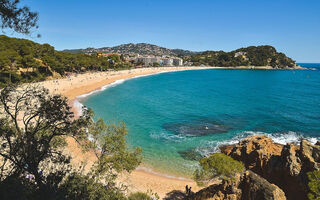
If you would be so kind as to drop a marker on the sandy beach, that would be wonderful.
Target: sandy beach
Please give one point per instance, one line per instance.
(140, 179)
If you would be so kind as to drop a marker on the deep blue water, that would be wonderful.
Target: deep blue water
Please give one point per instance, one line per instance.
(180, 115)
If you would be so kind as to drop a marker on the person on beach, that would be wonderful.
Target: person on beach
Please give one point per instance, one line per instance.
(188, 190)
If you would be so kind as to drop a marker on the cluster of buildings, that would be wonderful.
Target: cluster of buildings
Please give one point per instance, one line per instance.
(148, 60)
(165, 61)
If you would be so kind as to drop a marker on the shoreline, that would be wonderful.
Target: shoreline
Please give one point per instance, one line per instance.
(82, 84)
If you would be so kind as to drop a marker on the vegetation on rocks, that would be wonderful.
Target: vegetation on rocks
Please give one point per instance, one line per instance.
(314, 185)
(217, 165)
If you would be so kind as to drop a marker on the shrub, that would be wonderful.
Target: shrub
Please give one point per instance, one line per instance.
(217, 165)
(139, 196)
(314, 185)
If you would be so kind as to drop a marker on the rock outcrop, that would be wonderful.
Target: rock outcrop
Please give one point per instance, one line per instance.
(248, 186)
(255, 187)
(283, 165)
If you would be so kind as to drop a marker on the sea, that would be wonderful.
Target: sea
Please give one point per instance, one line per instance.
(179, 117)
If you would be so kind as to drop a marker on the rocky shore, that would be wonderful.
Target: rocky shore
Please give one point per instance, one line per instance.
(273, 171)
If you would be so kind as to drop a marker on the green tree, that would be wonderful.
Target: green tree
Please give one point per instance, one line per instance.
(44, 60)
(33, 128)
(314, 185)
(217, 165)
(114, 57)
(78, 186)
(20, 19)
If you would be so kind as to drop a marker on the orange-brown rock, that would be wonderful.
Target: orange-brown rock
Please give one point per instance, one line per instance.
(254, 152)
(247, 186)
(283, 165)
(255, 187)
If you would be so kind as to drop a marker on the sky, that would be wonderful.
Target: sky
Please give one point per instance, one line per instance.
(292, 26)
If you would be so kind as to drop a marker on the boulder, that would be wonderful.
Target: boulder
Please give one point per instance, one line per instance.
(255, 187)
(254, 152)
(310, 155)
(247, 186)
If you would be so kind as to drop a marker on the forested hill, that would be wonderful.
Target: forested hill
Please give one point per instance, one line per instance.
(249, 56)
(140, 48)
(22, 60)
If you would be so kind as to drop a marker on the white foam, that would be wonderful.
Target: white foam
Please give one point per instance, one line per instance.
(280, 138)
(165, 136)
(284, 138)
(78, 106)
(117, 82)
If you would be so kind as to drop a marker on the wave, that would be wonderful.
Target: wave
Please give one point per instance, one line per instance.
(168, 137)
(78, 106)
(280, 138)
(283, 138)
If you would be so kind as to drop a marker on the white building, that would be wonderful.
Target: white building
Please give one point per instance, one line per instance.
(177, 61)
(162, 61)
(167, 61)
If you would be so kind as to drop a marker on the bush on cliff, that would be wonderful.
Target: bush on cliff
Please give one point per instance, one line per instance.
(217, 165)
(314, 185)
(139, 196)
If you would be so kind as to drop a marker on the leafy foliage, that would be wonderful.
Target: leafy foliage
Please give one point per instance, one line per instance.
(250, 56)
(33, 129)
(139, 196)
(78, 186)
(20, 19)
(217, 165)
(314, 185)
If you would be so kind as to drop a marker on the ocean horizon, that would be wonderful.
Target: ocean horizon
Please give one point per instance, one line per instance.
(179, 117)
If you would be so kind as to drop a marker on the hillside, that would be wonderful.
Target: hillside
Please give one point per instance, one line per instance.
(140, 48)
(249, 56)
(22, 60)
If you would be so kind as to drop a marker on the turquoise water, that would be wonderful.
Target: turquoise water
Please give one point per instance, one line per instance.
(177, 117)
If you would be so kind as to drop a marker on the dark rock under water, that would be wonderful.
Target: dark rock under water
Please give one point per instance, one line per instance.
(190, 154)
(197, 128)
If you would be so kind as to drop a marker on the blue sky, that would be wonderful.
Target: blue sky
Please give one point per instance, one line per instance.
(292, 26)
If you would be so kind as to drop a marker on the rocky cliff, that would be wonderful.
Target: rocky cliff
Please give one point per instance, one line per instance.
(283, 165)
(246, 186)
